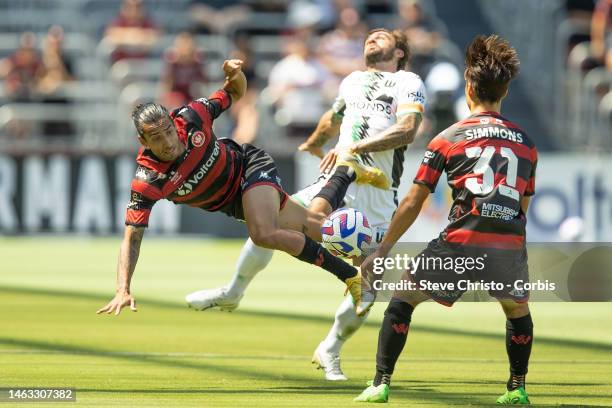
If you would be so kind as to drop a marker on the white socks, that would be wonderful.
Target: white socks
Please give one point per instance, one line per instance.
(252, 259)
(345, 324)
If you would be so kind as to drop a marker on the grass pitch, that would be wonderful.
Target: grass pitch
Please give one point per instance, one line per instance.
(167, 355)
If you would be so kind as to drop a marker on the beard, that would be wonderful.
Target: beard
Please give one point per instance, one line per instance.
(377, 56)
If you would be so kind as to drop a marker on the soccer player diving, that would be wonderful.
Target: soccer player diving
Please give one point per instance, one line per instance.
(377, 114)
(490, 164)
(182, 160)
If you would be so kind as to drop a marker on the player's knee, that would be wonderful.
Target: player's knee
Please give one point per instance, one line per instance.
(515, 310)
(264, 237)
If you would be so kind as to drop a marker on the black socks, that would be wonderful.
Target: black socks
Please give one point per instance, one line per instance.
(335, 189)
(519, 337)
(315, 254)
(391, 339)
(394, 332)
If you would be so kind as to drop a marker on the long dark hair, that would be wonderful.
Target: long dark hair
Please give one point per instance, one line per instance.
(148, 114)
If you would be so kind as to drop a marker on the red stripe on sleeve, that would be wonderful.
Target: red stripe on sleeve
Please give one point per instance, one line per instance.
(223, 97)
(137, 218)
(202, 113)
(439, 144)
(428, 175)
(147, 190)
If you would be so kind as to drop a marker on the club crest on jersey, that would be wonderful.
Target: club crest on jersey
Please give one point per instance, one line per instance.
(197, 139)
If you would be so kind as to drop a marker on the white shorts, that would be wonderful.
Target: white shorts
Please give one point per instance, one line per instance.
(377, 205)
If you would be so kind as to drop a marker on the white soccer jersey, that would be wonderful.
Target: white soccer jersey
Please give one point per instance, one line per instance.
(370, 103)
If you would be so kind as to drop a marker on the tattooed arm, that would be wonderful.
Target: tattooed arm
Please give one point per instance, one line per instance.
(328, 127)
(400, 134)
(128, 256)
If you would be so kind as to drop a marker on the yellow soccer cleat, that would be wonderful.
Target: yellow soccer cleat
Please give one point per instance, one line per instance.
(353, 286)
(365, 174)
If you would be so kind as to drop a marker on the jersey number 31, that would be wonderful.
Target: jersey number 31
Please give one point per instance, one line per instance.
(483, 167)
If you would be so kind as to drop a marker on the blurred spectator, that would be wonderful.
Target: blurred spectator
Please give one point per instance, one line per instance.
(132, 33)
(56, 67)
(244, 111)
(341, 50)
(217, 16)
(21, 70)
(296, 85)
(55, 73)
(184, 72)
(601, 33)
(424, 33)
(324, 13)
(304, 15)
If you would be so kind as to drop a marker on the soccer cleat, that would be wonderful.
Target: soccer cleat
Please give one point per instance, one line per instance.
(353, 286)
(210, 298)
(330, 363)
(514, 397)
(365, 174)
(374, 394)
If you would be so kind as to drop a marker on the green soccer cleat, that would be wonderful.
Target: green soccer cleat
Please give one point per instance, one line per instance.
(374, 394)
(514, 397)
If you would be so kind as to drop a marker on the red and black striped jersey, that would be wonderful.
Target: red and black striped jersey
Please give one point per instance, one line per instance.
(490, 164)
(207, 175)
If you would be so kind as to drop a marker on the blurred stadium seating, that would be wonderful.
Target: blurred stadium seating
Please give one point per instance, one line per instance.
(563, 96)
(99, 99)
(570, 92)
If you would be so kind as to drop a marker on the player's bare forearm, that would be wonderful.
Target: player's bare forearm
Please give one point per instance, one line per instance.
(235, 81)
(404, 217)
(398, 135)
(327, 128)
(128, 257)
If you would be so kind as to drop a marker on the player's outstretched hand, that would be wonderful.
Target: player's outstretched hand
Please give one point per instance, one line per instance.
(367, 266)
(231, 68)
(328, 162)
(120, 300)
(314, 150)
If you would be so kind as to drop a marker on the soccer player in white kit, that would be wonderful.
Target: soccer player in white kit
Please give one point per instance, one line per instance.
(377, 113)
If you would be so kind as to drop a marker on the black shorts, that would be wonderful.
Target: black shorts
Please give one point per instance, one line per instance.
(258, 169)
(445, 270)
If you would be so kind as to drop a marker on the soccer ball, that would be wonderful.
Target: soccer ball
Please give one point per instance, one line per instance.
(346, 232)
